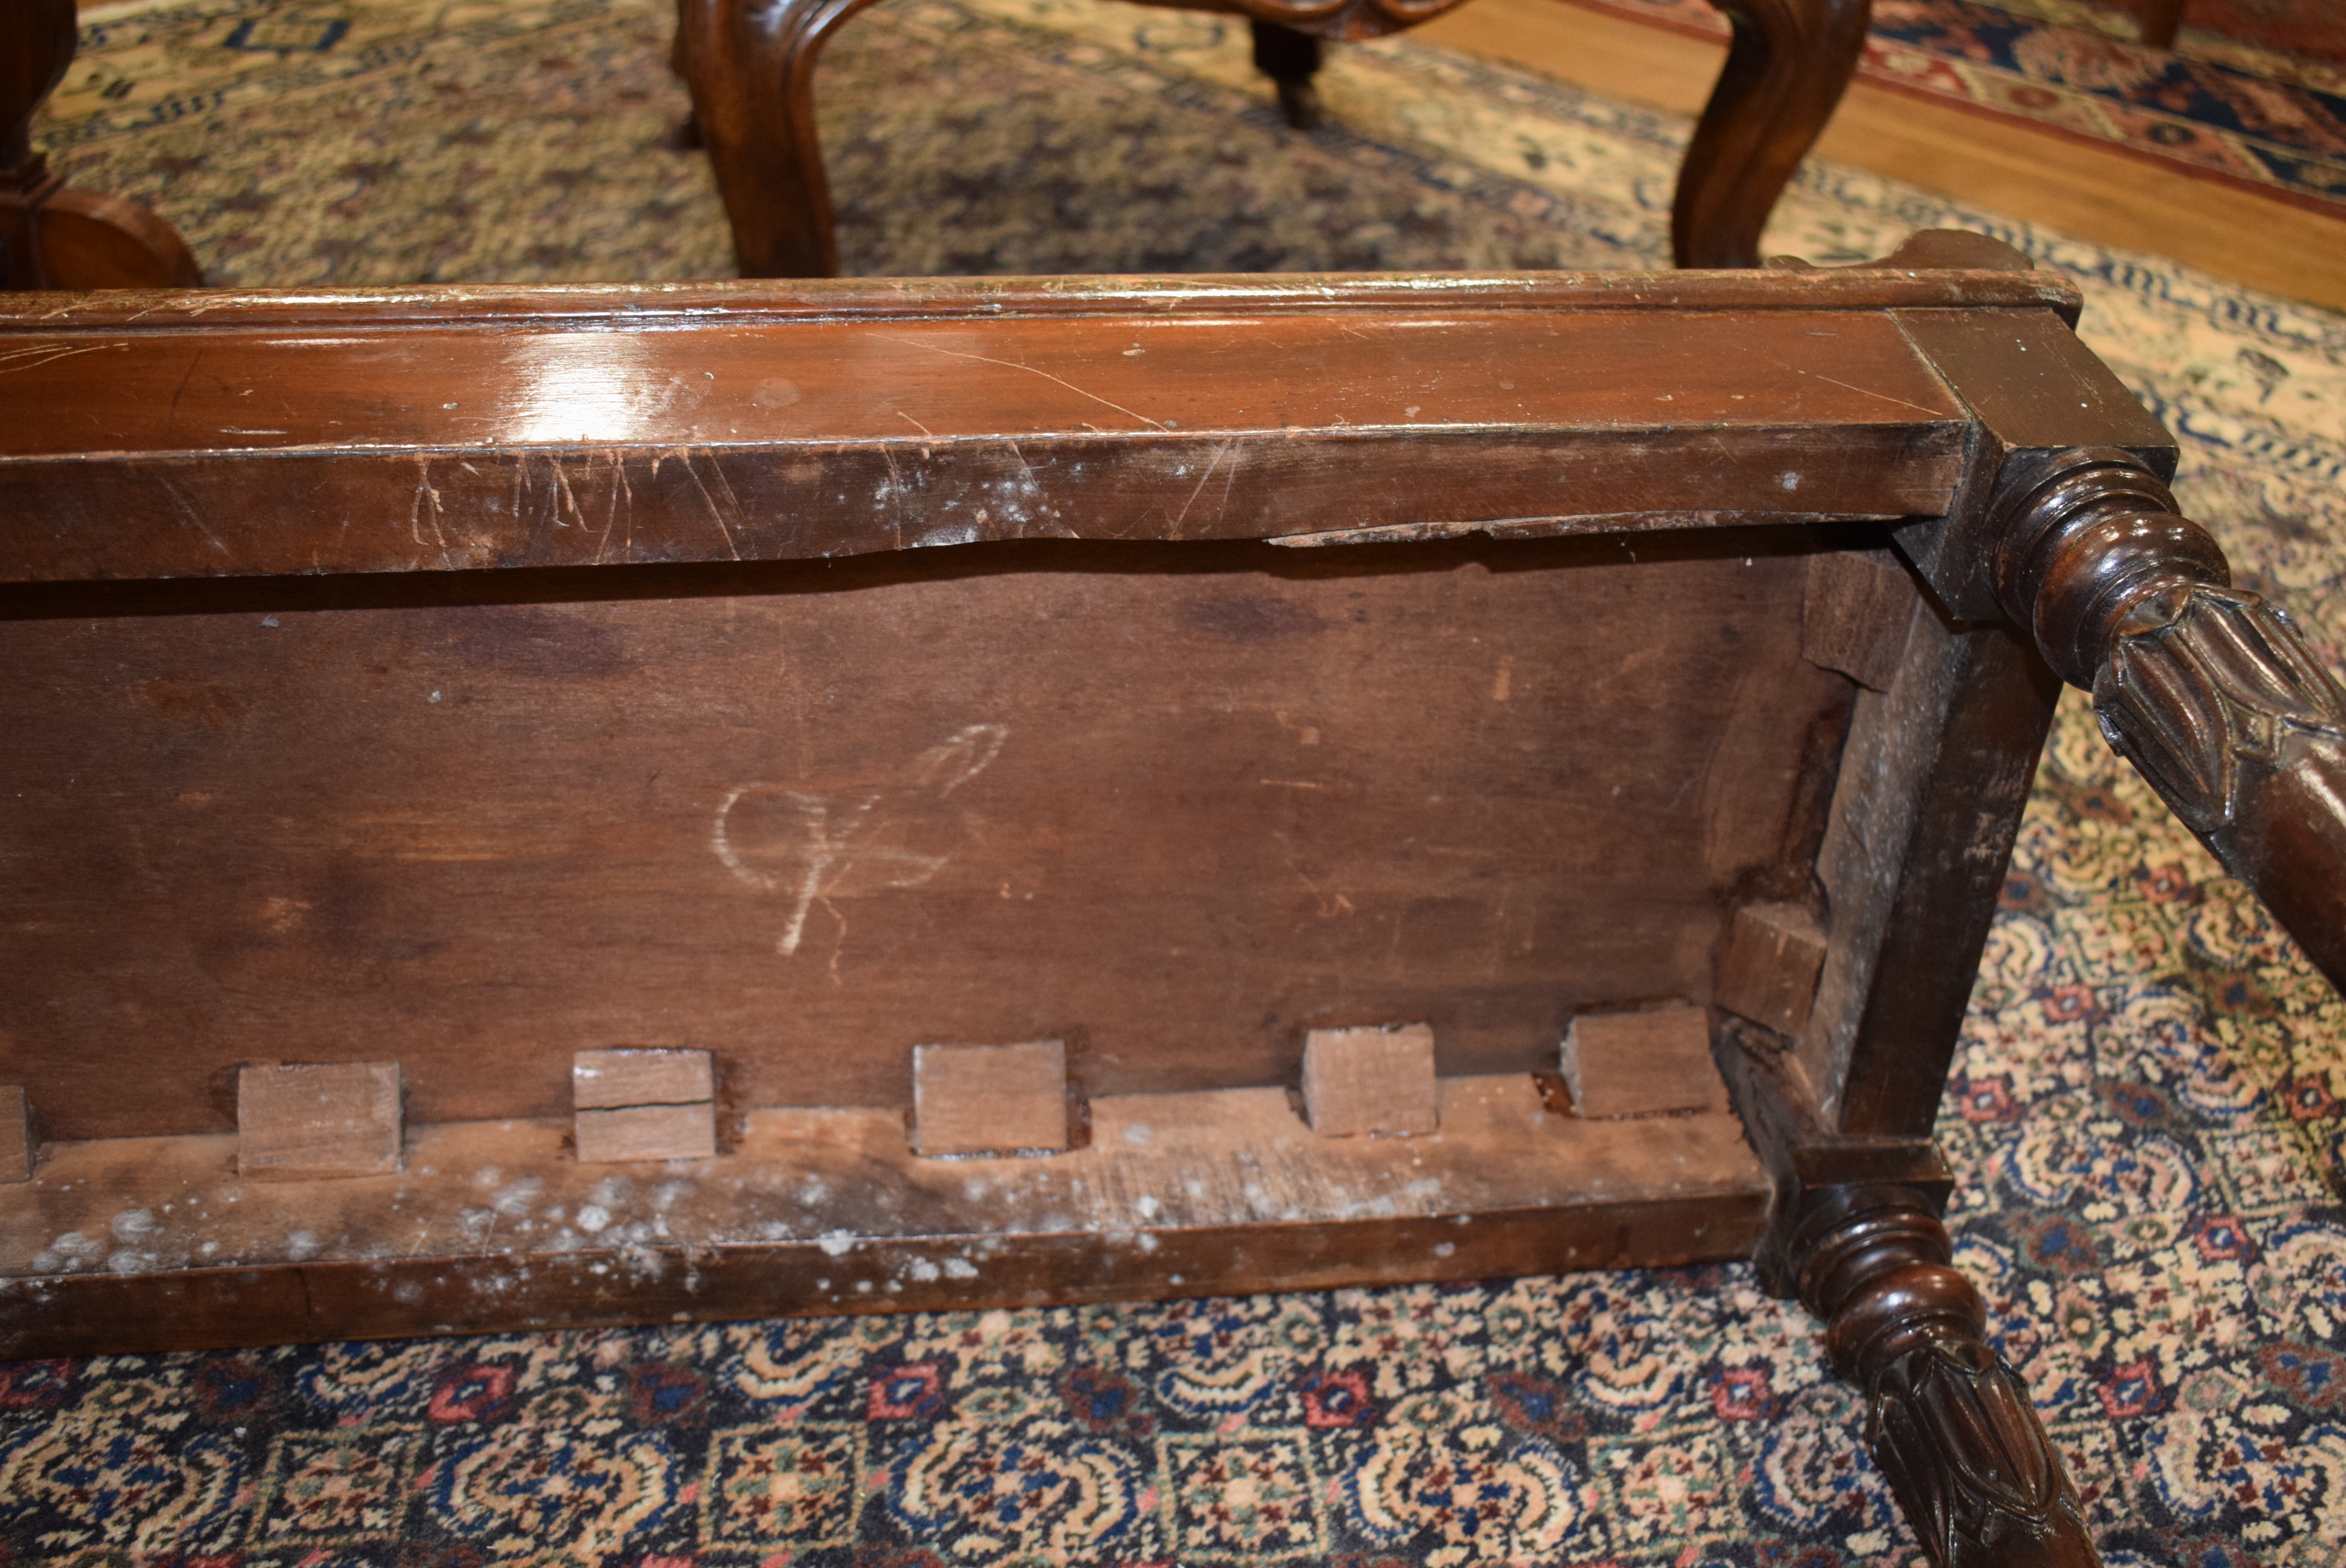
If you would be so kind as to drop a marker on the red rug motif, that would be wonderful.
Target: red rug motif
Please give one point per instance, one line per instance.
(2225, 108)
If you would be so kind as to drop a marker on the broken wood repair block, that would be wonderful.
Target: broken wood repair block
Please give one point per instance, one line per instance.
(989, 1099)
(1378, 1081)
(643, 1105)
(1856, 613)
(1774, 954)
(299, 1120)
(1639, 1064)
(15, 1135)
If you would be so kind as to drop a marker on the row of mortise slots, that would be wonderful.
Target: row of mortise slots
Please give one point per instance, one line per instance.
(298, 1121)
(303, 1121)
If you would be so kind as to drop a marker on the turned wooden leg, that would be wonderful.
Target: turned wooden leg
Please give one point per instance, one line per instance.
(2209, 690)
(1789, 63)
(1291, 59)
(1950, 1424)
(749, 65)
(51, 236)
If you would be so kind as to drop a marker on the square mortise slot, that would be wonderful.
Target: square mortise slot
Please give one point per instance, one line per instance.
(1641, 1063)
(311, 1119)
(989, 1099)
(1378, 1081)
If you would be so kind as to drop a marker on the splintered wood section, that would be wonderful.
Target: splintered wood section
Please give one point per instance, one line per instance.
(156, 1243)
(201, 443)
(1137, 799)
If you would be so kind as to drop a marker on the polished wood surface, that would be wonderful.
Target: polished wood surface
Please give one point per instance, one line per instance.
(1785, 74)
(782, 425)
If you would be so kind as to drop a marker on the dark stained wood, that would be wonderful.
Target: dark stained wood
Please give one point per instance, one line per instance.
(1775, 952)
(1855, 617)
(1785, 72)
(1949, 1421)
(302, 1120)
(2209, 691)
(1640, 1064)
(1181, 805)
(828, 1211)
(53, 236)
(347, 447)
(1370, 1081)
(1933, 781)
(989, 1099)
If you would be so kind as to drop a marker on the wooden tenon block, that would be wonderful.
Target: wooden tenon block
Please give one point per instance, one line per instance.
(989, 1099)
(1855, 616)
(1774, 954)
(1640, 1064)
(15, 1135)
(634, 1103)
(306, 1119)
(1378, 1081)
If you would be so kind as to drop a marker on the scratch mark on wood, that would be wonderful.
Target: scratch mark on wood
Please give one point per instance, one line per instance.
(1030, 370)
(684, 455)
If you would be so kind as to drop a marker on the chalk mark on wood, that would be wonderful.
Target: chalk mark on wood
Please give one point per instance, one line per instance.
(840, 844)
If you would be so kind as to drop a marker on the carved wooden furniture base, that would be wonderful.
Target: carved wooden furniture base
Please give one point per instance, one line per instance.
(750, 65)
(824, 800)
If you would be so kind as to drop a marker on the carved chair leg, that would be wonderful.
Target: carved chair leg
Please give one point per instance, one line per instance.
(1291, 59)
(51, 236)
(1786, 71)
(1948, 1421)
(749, 65)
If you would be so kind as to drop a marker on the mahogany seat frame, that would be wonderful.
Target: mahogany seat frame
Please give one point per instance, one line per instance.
(468, 456)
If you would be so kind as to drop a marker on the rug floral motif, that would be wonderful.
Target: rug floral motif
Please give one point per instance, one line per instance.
(2148, 1115)
(2273, 122)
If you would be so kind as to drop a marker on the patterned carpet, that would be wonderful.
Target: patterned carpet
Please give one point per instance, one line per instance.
(2269, 116)
(2149, 1121)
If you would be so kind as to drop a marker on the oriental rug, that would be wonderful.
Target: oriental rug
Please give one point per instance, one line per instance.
(2267, 115)
(2149, 1113)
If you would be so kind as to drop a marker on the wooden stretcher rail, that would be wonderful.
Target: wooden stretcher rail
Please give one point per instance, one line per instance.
(195, 441)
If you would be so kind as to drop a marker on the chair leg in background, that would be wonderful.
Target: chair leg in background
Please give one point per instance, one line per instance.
(53, 236)
(749, 65)
(1291, 59)
(1789, 63)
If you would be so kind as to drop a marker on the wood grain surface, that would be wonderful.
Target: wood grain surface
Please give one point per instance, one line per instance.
(1174, 806)
(155, 1243)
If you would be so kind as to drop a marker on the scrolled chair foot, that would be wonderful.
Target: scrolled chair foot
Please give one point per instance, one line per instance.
(1949, 1422)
